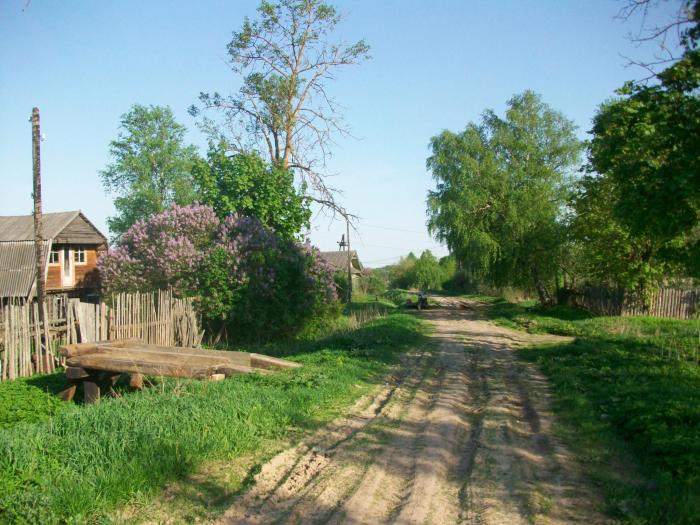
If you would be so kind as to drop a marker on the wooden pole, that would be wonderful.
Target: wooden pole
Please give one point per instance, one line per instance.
(38, 234)
(347, 225)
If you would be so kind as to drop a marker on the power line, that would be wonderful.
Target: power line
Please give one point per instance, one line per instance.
(385, 259)
(396, 229)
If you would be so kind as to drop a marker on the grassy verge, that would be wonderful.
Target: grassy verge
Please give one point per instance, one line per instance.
(81, 462)
(625, 389)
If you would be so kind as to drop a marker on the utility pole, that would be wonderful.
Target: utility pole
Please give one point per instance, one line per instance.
(38, 237)
(347, 224)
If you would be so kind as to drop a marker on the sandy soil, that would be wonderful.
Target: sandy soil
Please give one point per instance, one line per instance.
(460, 434)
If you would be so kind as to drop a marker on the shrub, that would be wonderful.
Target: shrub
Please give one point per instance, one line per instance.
(247, 280)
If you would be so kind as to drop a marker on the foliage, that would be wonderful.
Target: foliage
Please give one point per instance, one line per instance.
(427, 272)
(606, 250)
(400, 273)
(246, 278)
(645, 143)
(22, 400)
(625, 386)
(283, 110)
(400, 297)
(50, 473)
(243, 184)
(165, 250)
(278, 285)
(151, 166)
(372, 283)
(501, 190)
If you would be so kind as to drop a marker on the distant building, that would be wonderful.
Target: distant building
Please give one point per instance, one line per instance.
(71, 247)
(339, 261)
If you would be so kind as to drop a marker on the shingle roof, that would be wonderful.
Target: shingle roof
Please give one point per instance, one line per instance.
(17, 264)
(21, 227)
(339, 260)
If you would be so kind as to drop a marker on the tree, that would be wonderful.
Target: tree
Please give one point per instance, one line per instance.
(400, 275)
(283, 109)
(646, 143)
(151, 166)
(243, 184)
(502, 186)
(427, 273)
(605, 250)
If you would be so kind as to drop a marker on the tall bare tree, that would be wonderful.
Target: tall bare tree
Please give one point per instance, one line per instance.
(283, 109)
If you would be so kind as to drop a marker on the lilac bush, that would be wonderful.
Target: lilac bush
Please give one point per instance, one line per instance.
(163, 251)
(246, 279)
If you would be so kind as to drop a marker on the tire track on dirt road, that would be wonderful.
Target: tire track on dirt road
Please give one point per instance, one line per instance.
(461, 434)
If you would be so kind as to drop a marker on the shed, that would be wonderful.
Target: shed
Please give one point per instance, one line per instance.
(339, 261)
(71, 247)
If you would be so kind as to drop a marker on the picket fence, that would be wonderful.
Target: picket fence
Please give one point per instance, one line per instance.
(26, 347)
(665, 302)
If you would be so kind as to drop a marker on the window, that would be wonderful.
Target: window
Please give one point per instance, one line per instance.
(79, 255)
(54, 257)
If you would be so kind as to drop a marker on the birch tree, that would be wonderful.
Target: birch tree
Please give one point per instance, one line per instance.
(283, 109)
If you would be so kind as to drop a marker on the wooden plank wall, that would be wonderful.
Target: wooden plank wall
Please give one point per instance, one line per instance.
(157, 318)
(666, 302)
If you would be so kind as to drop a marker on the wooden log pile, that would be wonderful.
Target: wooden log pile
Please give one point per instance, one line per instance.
(99, 365)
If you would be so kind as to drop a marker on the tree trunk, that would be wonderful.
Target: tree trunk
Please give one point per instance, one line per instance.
(542, 291)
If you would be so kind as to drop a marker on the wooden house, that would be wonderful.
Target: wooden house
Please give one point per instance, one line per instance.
(339, 261)
(71, 247)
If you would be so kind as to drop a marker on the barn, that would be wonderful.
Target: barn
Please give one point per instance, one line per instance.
(71, 247)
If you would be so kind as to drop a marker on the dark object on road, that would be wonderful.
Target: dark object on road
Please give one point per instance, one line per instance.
(422, 301)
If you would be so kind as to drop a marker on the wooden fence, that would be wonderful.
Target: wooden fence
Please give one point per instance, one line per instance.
(665, 302)
(27, 348)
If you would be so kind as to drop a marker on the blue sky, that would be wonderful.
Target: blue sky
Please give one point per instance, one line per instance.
(435, 65)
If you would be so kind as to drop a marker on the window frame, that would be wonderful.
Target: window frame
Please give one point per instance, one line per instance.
(77, 252)
(57, 252)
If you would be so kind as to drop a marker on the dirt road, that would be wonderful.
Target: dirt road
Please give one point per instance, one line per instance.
(460, 434)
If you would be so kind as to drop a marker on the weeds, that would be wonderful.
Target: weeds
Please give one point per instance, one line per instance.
(83, 461)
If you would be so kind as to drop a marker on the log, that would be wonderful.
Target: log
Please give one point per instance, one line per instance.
(110, 363)
(77, 349)
(136, 381)
(76, 372)
(265, 361)
(92, 390)
(232, 370)
(68, 393)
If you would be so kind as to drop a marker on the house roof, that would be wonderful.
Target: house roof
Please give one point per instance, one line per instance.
(17, 265)
(21, 227)
(339, 260)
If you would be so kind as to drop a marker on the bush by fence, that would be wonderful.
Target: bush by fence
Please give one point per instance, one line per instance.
(27, 348)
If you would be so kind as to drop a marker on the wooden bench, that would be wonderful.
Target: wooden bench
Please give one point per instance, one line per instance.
(98, 365)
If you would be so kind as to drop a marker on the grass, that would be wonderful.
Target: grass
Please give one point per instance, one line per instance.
(627, 392)
(76, 464)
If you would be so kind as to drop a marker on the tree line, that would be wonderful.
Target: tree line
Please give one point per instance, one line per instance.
(521, 201)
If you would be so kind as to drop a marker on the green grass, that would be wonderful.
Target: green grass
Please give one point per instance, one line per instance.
(78, 463)
(627, 392)
(30, 399)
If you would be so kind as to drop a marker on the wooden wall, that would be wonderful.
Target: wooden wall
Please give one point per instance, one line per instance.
(665, 302)
(86, 275)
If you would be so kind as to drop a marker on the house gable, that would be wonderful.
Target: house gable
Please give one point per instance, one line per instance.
(80, 231)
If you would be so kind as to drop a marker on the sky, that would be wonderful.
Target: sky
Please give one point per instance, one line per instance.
(435, 65)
